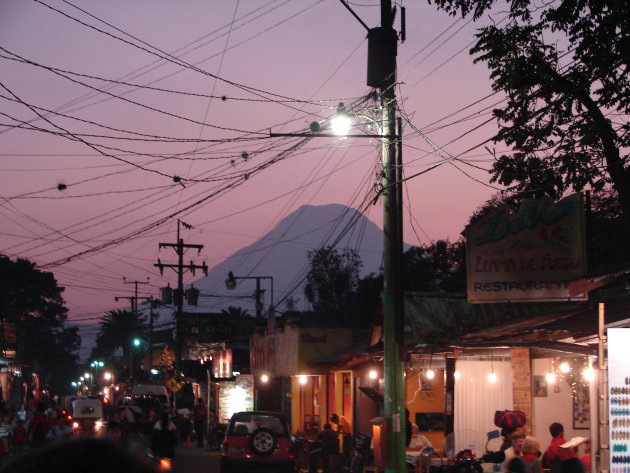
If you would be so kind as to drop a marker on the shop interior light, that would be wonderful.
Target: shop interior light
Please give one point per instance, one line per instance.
(492, 377)
(264, 378)
(430, 374)
(589, 374)
(457, 375)
(302, 379)
(373, 374)
(550, 377)
(564, 367)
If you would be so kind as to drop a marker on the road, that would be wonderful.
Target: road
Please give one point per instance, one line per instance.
(196, 460)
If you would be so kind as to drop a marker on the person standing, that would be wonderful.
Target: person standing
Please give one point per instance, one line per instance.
(38, 427)
(164, 438)
(200, 415)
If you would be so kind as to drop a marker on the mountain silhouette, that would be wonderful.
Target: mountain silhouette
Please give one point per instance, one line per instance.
(282, 254)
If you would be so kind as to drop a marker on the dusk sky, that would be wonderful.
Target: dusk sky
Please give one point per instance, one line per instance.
(103, 105)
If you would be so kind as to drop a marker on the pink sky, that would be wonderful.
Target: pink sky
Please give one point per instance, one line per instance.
(307, 50)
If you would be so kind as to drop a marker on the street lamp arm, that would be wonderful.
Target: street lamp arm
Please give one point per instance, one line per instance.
(355, 15)
(330, 135)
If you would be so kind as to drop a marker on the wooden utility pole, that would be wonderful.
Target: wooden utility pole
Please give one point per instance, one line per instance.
(382, 50)
(180, 248)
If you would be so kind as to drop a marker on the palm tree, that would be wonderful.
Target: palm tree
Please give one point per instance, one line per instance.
(117, 329)
(235, 312)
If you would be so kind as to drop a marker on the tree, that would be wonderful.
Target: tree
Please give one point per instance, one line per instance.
(564, 68)
(235, 312)
(117, 329)
(438, 267)
(32, 300)
(332, 279)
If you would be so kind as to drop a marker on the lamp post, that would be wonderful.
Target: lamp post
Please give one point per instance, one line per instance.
(96, 365)
(382, 50)
(230, 283)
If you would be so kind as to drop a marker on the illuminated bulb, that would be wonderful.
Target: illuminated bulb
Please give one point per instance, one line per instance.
(430, 374)
(373, 374)
(302, 379)
(492, 377)
(457, 375)
(564, 367)
(264, 378)
(550, 377)
(589, 374)
(341, 122)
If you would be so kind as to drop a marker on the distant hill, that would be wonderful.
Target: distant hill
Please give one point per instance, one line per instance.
(282, 254)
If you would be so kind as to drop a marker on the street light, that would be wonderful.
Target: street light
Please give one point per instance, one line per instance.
(230, 284)
(382, 50)
(135, 342)
(341, 122)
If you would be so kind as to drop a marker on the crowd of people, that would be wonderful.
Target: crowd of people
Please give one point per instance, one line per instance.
(157, 426)
(523, 454)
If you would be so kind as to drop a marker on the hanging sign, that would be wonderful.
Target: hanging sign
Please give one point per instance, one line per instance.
(527, 256)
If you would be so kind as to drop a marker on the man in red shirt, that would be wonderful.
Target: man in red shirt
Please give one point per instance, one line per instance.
(554, 455)
(200, 414)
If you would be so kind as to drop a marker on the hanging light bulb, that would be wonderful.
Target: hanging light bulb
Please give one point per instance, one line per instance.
(373, 374)
(492, 377)
(264, 378)
(564, 367)
(302, 379)
(550, 377)
(457, 375)
(430, 374)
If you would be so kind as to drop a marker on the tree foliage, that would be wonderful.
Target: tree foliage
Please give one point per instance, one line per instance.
(32, 300)
(332, 280)
(564, 68)
(437, 267)
(117, 330)
(235, 312)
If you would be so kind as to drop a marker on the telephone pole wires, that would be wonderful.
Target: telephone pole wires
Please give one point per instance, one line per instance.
(180, 248)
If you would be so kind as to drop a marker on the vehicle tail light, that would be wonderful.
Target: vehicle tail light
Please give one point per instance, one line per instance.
(165, 464)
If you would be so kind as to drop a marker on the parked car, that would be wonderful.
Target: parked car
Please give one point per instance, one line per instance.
(257, 440)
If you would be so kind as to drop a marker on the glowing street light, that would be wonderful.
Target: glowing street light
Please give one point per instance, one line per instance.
(341, 122)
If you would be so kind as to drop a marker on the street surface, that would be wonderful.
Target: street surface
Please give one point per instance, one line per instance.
(196, 460)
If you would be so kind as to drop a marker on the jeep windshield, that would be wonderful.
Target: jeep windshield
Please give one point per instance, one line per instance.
(247, 423)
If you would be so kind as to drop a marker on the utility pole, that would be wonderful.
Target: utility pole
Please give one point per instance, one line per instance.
(180, 248)
(134, 310)
(382, 50)
(381, 74)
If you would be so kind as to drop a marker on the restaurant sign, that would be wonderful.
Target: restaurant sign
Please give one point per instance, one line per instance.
(527, 256)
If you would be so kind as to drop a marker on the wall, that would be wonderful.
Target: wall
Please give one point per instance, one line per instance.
(556, 406)
(424, 400)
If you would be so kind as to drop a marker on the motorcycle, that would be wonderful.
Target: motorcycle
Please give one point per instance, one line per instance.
(466, 460)
(359, 454)
(160, 464)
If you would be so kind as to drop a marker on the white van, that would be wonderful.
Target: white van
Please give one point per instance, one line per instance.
(157, 391)
(87, 416)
